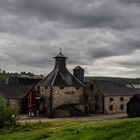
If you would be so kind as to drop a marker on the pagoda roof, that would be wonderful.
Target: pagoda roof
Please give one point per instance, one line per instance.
(60, 76)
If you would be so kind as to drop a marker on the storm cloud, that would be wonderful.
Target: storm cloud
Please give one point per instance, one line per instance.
(103, 36)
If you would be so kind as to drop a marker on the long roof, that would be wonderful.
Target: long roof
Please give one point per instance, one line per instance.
(14, 91)
(115, 89)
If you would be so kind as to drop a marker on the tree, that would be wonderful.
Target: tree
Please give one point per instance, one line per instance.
(5, 112)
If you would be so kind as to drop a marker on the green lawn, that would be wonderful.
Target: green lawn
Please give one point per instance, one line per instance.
(123, 129)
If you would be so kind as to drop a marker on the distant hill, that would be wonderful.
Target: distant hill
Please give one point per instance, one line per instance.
(114, 79)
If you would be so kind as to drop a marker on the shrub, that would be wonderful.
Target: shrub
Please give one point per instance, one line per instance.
(5, 112)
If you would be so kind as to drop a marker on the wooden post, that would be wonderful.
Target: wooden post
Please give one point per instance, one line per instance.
(30, 111)
(50, 102)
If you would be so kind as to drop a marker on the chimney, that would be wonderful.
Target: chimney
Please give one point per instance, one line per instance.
(78, 72)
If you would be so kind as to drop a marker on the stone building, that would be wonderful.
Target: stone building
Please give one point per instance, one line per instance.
(133, 106)
(61, 91)
(16, 91)
(109, 97)
(62, 94)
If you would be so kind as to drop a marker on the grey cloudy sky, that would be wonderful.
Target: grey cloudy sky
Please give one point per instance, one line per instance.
(102, 36)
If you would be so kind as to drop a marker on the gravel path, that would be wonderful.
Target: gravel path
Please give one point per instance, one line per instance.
(90, 117)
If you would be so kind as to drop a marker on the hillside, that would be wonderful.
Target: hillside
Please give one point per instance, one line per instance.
(114, 79)
(75, 130)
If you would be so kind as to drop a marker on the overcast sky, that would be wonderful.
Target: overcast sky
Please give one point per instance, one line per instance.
(102, 36)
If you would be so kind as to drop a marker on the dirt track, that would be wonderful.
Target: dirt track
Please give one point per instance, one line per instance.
(90, 117)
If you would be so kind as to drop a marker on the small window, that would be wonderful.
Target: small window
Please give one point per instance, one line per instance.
(121, 98)
(61, 87)
(96, 107)
(46, 87)
(38, 88)
(96, 97)
(77, 88)
(111, 99)
(86, 98)
(111, 107)
(121, 107)
(91, 87)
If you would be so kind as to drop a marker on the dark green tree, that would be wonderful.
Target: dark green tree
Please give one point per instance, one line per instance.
(6, 112)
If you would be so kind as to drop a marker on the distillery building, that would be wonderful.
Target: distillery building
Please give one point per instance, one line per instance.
(61, 91)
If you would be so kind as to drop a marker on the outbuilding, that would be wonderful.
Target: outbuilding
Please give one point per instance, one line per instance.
(133, 106)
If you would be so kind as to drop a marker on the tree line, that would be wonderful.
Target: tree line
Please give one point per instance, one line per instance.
(5, 74)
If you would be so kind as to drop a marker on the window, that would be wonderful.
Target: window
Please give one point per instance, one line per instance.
(96, 107)
(121, 98)
(38, 88)
(86, 98)
(96, 97)
(111, 99)
(77, 88)
(46, 87)
(61, 87)
(111, 107)
(121, 107)
(91, 87)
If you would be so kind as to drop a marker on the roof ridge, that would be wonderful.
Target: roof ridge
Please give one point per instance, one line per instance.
(54, 77)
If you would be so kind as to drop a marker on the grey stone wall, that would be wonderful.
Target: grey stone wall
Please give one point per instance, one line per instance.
(68, 95)
(62, 96)
(115, 104)
(95, 98)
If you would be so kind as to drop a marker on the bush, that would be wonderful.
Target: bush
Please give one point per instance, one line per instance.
(5, 112)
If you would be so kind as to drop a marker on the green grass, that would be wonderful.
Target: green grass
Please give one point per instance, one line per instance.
(123, 129)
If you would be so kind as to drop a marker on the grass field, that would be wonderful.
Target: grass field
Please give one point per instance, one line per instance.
(123, 129)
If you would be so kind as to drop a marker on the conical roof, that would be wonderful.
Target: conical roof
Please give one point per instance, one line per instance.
(60, 76)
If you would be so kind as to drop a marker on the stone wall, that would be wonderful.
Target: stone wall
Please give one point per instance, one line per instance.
(95, 98)
(62, 96)
(67, 95)
(116, 104)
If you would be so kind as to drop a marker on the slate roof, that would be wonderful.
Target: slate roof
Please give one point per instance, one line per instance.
(60, 76)
(115, 89)
(14, 91)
